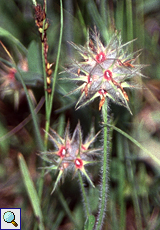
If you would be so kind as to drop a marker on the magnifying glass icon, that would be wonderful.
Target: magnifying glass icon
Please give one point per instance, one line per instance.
(9, 217)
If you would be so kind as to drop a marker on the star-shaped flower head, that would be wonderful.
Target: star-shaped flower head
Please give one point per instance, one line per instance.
(71, 154)
(105, 71)
(9, 84)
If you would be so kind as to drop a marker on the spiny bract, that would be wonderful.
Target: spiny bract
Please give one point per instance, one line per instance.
(104, 71)
(71, 154)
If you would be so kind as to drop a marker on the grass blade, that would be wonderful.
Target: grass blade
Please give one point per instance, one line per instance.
(32, 193)
(4, 33)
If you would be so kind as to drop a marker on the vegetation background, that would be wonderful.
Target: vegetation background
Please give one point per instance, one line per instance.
(134, 185)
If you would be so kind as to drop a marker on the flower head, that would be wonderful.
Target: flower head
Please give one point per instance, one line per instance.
(10, 86)
(71, 154)
(104, 72)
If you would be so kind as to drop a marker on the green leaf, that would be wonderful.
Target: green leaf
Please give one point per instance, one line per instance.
(31, 191)
(4, 145)
(135, 142)
(4, 33)
(89, 224)
(7, 63)
(57, 180)
(31, 78)
(88, 178)
(34, 58)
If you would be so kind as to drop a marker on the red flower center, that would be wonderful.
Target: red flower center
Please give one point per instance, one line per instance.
(108, 75)
(89, 79)
(11, 74)
(102, 91)
(100, 57)
(62, 152)
(78, 163)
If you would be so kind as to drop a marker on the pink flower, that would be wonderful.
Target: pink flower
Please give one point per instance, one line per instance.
(10, 86)
(71, 153)
(104, 71)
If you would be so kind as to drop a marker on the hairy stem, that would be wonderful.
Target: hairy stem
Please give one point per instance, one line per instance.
(104, 179)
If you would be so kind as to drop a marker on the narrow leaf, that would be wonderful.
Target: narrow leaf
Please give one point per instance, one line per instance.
(89, 224)
(4, 33)
(32, 193)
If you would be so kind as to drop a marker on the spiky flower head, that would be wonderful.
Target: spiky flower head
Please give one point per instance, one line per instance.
(71, 154)
(10, 86)
(104, 71)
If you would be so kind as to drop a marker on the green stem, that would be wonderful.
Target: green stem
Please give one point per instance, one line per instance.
(133, 183)
(57, 61)
(23, 123)
(121, 183)
(129, 16)
(104, 180)
(136, 143)
(41, 180)
(119, 14)
(45, 2)
(34, 2)
(86, 206)
(49, 102)
(34, 116)
(46, 97)
(49, 98)
(103, 11)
